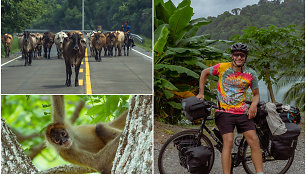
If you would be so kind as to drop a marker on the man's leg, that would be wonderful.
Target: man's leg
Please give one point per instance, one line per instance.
(228, 139)
(256, 153)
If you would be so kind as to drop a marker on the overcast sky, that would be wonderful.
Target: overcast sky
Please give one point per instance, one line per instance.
(205, 8)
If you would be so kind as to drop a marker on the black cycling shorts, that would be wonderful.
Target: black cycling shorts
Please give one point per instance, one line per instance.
(226, 122)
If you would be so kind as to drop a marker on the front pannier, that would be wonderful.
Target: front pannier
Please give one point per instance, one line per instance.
(198, 159)
(194, 108)
(283, 146)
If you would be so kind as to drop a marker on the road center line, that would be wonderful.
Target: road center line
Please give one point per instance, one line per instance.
(10, 61)
(141, 53)
(88, 83)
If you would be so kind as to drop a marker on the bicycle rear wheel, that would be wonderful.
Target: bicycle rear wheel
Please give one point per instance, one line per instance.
(169, 159)
(270, 166)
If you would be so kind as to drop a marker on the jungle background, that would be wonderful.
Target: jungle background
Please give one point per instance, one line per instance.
(28, 116)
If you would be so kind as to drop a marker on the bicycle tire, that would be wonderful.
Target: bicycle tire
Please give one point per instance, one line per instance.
(174, 164)
(269, 167)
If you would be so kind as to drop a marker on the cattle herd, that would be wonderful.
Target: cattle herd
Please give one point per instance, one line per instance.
(70, 45)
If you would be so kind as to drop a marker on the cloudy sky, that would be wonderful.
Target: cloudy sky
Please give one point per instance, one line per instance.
(205, 8)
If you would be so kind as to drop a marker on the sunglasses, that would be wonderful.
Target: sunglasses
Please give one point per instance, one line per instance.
(242, 55)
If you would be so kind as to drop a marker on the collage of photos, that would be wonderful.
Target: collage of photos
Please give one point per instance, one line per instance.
(152, 87)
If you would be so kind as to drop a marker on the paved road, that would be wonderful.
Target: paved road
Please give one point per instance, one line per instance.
(114, 75)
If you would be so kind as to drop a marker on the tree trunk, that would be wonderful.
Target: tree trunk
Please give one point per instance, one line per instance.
(134, 153)
(13, 158)
(269, 83)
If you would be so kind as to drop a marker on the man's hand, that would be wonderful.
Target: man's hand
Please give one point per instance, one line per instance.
(200, 96)
(252, 111)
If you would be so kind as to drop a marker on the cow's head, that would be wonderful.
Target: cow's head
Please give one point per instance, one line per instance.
(76, 40)
(26, 36)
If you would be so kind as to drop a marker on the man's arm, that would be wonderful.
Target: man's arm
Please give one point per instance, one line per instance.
(253, 108)
(203, 79)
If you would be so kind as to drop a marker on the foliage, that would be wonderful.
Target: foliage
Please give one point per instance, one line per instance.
(296, 94)
(274, 50)
(31, 114)
(110, 14)
(179, 57)
(16, 15)
(263, 14)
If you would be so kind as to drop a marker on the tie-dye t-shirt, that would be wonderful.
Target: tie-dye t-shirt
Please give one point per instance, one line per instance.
(232, 87)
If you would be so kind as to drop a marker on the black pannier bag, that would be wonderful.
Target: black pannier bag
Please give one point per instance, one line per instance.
(283, 146)
(182, 144)
(198, 159)
(261, 114)
(194, 108)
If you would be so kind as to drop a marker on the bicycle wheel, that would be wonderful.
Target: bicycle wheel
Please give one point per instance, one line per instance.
(169, 157)
(270, 166)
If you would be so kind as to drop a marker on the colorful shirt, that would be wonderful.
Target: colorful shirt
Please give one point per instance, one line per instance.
(232, 87)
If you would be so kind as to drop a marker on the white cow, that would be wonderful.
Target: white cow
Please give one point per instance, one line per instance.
(59, 39)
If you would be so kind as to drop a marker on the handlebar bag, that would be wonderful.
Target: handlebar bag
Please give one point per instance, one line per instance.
(194, 108)
(198, 159)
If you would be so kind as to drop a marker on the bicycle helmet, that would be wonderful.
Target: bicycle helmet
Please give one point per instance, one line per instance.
(240, 47)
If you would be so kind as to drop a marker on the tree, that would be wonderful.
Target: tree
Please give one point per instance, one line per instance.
(134, 154)
(273, 50)
(140, 115)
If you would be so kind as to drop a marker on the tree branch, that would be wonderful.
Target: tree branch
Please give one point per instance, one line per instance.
(21, 137)
(77, 111)
(67, 169)
(36, 150)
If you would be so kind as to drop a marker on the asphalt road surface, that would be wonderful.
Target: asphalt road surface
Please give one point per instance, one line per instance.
(113, 75)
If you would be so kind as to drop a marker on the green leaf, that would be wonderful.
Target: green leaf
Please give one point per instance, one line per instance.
(178, 69)
(199, 22)
(168, 94)
(175, 105)
(170, 7)
(178, 21)
(162, 35)
(184, 3)
(168, 85)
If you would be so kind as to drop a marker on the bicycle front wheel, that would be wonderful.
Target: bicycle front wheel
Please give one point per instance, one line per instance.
(270, 166)
(169, 161)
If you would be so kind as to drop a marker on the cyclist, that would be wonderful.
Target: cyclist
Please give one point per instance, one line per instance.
(99, 29)
(126, 28)
(234, 79)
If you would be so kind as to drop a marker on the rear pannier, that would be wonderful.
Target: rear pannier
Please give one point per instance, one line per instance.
(283, 146)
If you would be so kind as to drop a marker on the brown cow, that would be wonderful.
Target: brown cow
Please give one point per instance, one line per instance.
(38, 45)
(110, 42)
(99, 42)
(28, 46)
(74, 48)
(48, 40)
(7, 41)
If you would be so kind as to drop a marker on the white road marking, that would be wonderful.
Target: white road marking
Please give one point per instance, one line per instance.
(141, 53)
(10, 61)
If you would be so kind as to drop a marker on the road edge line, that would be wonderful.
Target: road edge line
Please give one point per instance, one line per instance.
(88, 83)
(142, 54)
(10, 61)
